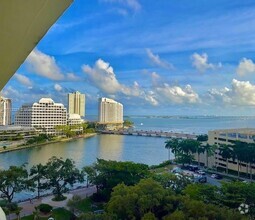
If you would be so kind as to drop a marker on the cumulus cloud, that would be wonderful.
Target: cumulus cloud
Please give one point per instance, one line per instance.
(240, 93)
(200, 62)
(176, 94)
(44, 65)
(155, 59)
(72, 77)
(131, 4)
(58, 87)
(23, 79)
(102, 76)
(245, 67)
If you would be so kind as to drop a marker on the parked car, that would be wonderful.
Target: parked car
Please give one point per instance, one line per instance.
(193, 168)
(216, 176)
(200, 172)
(199, 178)
(177, 170)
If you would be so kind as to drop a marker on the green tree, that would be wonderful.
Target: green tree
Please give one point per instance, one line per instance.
(209, 150)
(172, 145)
(72, 203)
(107, 174)
(133, 202)
(186, 150)
(13, 180)
(128, 123)
(202, 192)
(37, 174)
(59, 174)
(226, 152)
(202, 138)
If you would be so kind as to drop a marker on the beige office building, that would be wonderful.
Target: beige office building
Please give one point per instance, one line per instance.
(44, 116)
(110, 111)
(5, 111)
(76, 103)
(228, 136)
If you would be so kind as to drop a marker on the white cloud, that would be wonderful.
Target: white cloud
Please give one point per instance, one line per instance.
(132, 4)
(44, 65)
(246, 66)
(176, 94)
(23, 79)
(200, 62)
(58, 87)
(72, 77)
(155, 59)
(240, 93)
(102, 76)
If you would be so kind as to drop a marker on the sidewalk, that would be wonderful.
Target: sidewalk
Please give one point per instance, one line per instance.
(29, 207)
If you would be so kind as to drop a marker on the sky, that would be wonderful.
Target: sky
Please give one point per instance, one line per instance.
(177, 57)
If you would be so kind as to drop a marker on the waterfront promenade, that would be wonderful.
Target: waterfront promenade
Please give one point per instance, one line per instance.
(29, 207)
(162, 134)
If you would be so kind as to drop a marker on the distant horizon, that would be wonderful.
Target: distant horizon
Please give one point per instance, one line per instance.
(195, 57)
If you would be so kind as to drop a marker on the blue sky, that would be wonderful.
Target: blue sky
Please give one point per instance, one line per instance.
(177, 57)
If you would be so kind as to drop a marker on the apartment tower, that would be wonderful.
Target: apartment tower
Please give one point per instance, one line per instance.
(76, 103)
(5, 111)
(110, 111)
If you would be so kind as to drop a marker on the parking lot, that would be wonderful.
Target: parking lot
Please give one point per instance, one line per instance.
(193, 171)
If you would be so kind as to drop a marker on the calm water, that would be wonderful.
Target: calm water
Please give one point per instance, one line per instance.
(148, 150)
(85, 151)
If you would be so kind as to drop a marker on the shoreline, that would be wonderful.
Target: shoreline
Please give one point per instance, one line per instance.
(16, 148)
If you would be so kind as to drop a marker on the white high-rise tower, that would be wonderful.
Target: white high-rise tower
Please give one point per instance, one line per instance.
(5, 111)
(110, 111)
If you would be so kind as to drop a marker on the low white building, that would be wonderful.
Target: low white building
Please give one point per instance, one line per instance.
(74, 119)
(44, 116)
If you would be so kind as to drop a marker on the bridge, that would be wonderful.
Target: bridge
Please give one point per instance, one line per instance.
(162, 134)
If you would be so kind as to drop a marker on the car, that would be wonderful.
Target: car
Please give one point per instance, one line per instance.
(216, 176)
(201, 172)
(177, 170)
(193, 168)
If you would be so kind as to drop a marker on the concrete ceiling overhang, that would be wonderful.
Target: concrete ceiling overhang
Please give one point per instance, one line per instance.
(22, 25)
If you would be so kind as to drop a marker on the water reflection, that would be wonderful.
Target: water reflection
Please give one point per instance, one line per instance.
(149, 150)
(110, 147)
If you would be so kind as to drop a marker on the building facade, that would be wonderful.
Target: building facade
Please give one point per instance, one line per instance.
(5, 111)
(76, 103)
(44, 116)
(110, 111)
(228, 137)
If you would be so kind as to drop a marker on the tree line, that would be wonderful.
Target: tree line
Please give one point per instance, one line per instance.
(240, 152)
(133, 191)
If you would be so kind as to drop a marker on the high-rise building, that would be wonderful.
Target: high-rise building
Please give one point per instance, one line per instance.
(44, 116)
(5, 111)
(76, 103)
(110, 111)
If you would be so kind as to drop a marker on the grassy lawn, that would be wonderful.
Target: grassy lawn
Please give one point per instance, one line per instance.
(58, 214)
(163, 169)
(85, 205)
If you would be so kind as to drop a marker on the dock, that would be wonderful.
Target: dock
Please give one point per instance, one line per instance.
(162, 134)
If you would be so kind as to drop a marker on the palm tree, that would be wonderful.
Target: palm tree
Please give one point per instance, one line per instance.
(173, 145)
(210, 150)
(240, 153)
(251, 156)
(187, 148)
(226, 152)
(200, 150)
(38, 172)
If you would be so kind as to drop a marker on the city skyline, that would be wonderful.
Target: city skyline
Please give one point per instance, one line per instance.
(187, 59)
